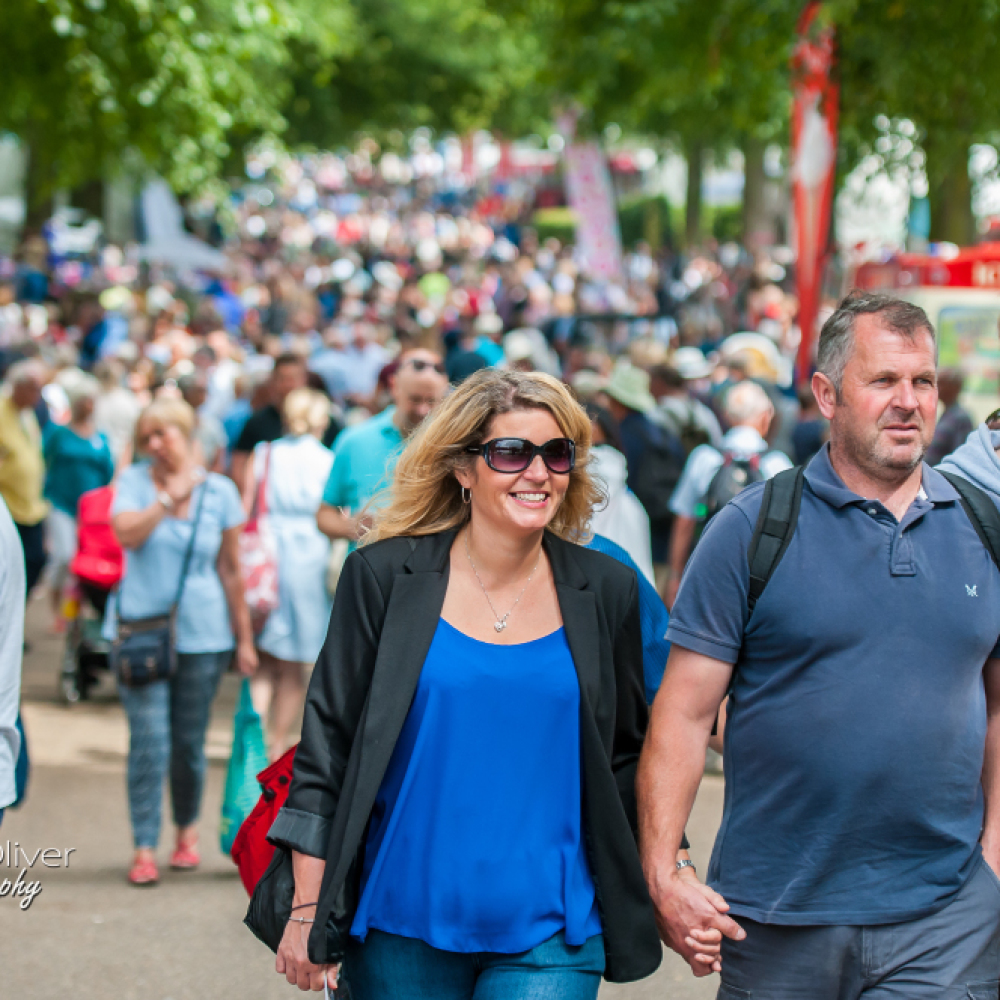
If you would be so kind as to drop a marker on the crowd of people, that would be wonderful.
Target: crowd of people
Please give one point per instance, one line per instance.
(347, 335)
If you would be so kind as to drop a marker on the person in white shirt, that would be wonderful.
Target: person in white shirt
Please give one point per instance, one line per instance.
(623, 520)
(749, 413)
(12, 597)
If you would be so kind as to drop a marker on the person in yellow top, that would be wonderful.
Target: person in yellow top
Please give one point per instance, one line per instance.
(22, 467)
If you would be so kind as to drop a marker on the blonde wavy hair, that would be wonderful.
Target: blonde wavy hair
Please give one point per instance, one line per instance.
(425, 498)
(169, 411)
(306, 411)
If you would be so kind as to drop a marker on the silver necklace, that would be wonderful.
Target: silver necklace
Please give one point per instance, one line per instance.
(501, 623)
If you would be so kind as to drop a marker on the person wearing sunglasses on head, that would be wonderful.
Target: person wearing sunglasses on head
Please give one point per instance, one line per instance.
(481, 670)
(364, 455)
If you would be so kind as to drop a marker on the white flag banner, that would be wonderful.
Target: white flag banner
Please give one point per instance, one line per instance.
(592, 198)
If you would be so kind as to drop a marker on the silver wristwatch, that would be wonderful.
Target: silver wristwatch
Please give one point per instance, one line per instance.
(687, 863)
(165, 500)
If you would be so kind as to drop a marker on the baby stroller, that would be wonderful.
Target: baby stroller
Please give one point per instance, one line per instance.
(97, 567)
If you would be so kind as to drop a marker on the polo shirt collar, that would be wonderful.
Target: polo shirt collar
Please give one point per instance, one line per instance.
(385, 424)
(828, 486)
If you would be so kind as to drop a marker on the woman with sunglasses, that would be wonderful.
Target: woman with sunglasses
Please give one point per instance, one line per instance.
(480, 672)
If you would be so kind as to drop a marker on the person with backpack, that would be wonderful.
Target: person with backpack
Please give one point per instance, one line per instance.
(654, 456)
(678, 409)
(850, 611)
(713, 476)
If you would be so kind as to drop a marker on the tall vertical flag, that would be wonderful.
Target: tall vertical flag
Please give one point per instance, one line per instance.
(592, 197)
(814, 161)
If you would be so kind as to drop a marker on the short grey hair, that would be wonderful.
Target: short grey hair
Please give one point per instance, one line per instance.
(836, 339)
(746, 401)
(28, 370)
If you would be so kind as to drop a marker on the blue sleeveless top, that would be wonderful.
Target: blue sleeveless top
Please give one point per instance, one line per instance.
(475, 837)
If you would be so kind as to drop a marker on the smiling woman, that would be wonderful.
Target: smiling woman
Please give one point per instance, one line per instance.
(425, 496)
(479, 671)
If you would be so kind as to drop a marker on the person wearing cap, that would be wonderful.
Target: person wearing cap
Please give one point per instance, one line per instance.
(655, 457)
(748, 413)
(518, 352)
(685, 415)
(525, 349)
(78, 458)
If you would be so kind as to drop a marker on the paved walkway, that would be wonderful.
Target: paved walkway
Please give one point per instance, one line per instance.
(90, 936)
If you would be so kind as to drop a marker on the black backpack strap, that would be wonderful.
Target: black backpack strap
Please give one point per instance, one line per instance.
(981, 511)
(779, 513)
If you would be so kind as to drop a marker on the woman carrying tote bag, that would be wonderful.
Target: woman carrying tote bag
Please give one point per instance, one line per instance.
(156, 504)
(461, 818)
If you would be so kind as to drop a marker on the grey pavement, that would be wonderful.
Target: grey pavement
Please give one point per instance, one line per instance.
(88, 935)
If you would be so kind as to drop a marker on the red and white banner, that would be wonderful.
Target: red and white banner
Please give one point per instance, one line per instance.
(814, 163)
(592, 198)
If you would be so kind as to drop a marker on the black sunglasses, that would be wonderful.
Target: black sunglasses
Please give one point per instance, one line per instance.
(509, 455)
(419, 364)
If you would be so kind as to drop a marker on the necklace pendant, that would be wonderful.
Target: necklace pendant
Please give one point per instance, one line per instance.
(500, 626)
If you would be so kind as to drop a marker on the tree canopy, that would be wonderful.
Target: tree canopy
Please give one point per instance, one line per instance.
(88, 81)
(452, 65)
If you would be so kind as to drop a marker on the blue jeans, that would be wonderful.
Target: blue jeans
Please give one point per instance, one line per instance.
(389, 967)
(167, 722)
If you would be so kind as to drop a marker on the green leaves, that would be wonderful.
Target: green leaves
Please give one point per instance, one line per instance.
(170, 82)
(446, 64)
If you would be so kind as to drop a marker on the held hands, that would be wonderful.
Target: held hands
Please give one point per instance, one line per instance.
(293, 960)
(692, 920)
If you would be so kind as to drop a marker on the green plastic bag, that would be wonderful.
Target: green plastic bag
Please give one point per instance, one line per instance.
(248, 759)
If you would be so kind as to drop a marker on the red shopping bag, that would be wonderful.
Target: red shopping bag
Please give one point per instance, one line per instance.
(251, 852)
(99, 558)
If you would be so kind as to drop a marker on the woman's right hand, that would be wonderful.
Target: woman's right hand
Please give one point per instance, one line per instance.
(293, 960)
(181, 485)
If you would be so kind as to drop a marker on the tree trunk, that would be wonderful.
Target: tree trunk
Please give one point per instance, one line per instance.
(695, 152)
(951, 195)
(756, 228)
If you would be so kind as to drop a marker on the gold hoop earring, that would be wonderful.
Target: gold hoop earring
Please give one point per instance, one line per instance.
(466, 498)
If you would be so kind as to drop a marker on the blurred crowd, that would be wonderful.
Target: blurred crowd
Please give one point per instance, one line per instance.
(175, 411)
(330, 290)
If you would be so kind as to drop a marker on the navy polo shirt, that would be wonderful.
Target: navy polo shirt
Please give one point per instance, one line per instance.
(856, 730)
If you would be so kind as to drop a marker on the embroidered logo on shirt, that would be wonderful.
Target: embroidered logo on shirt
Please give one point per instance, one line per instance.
(971, 591)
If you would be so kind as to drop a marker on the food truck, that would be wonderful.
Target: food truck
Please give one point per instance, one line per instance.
(960, 292)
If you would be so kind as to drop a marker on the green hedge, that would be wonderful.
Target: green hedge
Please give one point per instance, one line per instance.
(640, 218)
(646, 218)
(557, 222)
(726, 222)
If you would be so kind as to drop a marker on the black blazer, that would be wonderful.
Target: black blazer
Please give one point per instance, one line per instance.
(388, 604)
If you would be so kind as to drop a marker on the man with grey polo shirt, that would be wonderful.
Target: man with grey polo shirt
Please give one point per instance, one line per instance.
(861, 829)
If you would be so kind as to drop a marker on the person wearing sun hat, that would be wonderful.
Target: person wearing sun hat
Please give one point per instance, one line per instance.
(655, 456)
